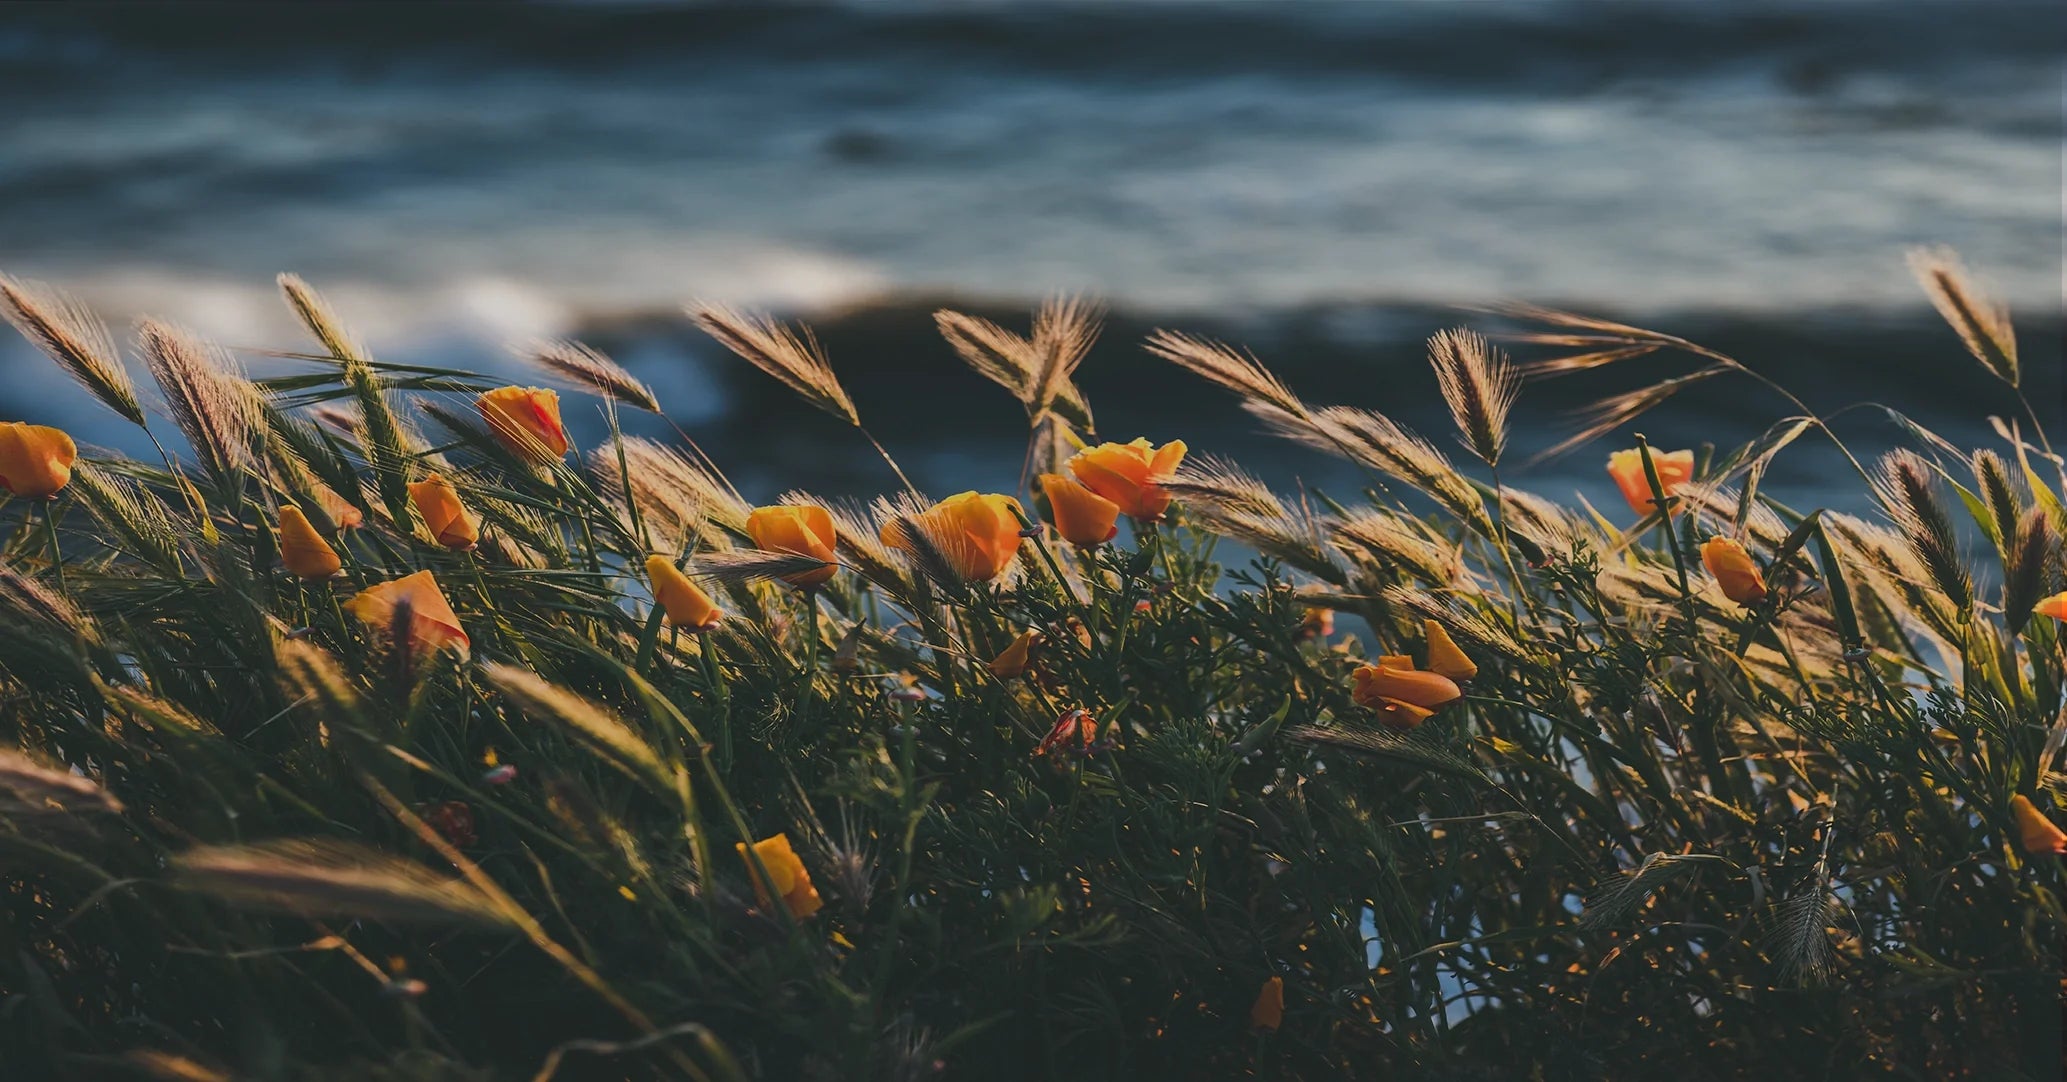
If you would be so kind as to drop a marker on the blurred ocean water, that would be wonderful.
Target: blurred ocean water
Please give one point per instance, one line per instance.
(1318, 180)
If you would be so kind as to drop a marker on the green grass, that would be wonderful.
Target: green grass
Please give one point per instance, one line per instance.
(1661, 834)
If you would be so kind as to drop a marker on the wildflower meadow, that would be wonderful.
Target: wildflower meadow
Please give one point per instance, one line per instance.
(374, 730)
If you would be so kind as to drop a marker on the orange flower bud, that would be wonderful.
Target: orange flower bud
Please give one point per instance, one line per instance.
(976, 534)
(339, 510)
(1443, 656)
(1014, 659)
(1318, 623)
(1268, 1012)
(433, 625)
(1131, 475)
(447, 518)
(35, 460)
(2054, 606)
(1403, 696)
(797, 528)
(1083, 517)
(526, 421)
(1734, 570)
(1627, 469)
(686, 605)
(2035, 832)
(302, 550)
(787, 877)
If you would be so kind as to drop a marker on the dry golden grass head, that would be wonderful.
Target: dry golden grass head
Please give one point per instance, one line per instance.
(1479, 384)
(1063, 331)
(1616, 411)
(321, 320)
(1378, 442)
(1210, 480)
(2028, 567)
(26, 603)
(791, 355)
(1235, 370)
(734, 567)
(37, 788)
(1981, 323)
(590, 369)
(675, 493)
(211, 401)
(593, 723)
(136, 521)
(1387, 542)
(73, 337)
(321, 877)
(1908, 493)
(855, 527)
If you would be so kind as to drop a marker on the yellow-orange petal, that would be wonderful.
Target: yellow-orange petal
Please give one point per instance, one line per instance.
(1443, 655)
(35, 460)
(801, 529)
(1627, 469)
(1083, 518)
(2035, 832)
(443, 514)
(2054, 606)
(1734, 570)
(685, 603)
(303, 552)
(1013, 660)
(526, 421)
(433, 626)
(787, 879)
(1377, 684)
(1131, 475)
(1268, 1012)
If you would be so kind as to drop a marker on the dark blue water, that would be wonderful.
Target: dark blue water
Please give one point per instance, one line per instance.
(1310, 177)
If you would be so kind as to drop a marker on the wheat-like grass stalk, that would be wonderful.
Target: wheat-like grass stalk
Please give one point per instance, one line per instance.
(1619, 900)
(1393, 542)
(39, 787)
(791, 355)
(1616, 411)
(1999, 494)
(739, 566)
(324, 877)
(1218, 482)
(214, 405)
(598, 726)
(1907, 493)
(76, 339)
(1982, 324)
(1063, 332)
(321, 320)
(1479, 384)
(860, 540)
(1233, 369)
(27, 605)
(1379, 443)
(591, 369)
(2028, 567)
(1459, 619)
(136, 520)
(995, 353)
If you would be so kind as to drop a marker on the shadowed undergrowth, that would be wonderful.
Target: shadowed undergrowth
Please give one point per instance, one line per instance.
(381, 734)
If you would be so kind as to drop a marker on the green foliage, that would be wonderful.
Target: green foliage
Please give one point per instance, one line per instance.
(250, 836)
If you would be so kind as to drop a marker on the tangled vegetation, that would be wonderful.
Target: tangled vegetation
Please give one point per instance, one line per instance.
(377, 735)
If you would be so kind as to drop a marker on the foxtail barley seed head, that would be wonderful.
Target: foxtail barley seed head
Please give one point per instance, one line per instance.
(75, 338)
(1479, 384)
(792, 356)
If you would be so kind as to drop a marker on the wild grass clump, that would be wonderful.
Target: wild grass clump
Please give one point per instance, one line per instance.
(379, 736)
